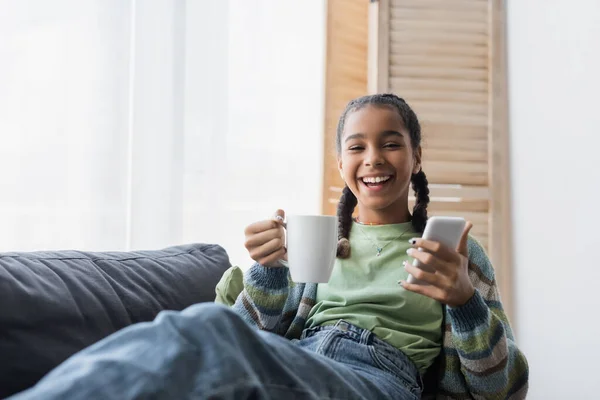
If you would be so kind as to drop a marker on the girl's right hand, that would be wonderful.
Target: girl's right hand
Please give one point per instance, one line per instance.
(265, 240)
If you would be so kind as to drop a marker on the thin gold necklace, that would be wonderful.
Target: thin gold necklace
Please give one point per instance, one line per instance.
(377, 246)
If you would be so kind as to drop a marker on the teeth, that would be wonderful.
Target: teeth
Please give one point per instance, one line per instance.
(375, 179)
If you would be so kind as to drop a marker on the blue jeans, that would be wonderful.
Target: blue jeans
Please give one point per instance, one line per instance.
(208, 352)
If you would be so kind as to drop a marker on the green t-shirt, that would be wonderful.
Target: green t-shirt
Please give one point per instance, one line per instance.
(364, 291)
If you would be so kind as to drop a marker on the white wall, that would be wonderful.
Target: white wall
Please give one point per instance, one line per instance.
(554, 73)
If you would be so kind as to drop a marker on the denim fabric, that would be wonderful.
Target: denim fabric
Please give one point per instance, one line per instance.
(208, 352)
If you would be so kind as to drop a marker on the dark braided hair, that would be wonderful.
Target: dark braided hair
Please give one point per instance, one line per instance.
(419, 181)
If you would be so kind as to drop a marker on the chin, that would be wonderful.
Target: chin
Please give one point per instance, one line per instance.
(377, 205)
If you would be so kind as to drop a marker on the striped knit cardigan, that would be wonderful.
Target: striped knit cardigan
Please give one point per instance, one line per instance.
(479, 358)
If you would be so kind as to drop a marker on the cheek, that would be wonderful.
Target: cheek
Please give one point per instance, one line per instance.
(410, 161)
(348, 175)
(348, 168)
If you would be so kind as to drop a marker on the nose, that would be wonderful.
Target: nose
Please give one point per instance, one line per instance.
(374, 158)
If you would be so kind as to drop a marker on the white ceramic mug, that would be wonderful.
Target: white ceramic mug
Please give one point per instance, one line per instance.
(311, 247)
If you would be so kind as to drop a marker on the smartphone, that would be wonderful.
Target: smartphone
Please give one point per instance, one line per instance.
(445, 230)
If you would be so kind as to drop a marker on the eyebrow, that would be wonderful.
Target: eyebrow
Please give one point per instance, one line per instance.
(383, 134)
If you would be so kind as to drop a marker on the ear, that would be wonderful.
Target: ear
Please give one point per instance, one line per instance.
(417, 160)
(339, 160)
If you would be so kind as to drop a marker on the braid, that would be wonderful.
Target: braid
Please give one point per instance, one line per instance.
(419, 214)
(344, 212)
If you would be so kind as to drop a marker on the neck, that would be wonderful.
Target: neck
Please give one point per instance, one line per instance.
(383, 217)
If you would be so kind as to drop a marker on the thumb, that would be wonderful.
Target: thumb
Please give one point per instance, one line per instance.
(462, 245)
(279, 216)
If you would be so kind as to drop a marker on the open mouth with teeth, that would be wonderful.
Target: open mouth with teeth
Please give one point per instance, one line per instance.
(376, 182)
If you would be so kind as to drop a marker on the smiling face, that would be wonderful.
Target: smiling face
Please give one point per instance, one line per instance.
(376, 160)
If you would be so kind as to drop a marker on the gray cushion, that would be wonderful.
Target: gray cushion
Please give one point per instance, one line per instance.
(53, 304)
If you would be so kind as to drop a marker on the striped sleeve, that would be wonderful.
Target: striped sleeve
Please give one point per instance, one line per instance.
(490, 361)
(264, 296)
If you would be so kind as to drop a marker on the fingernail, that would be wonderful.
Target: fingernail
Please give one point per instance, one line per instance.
(410, 251)
(401, 283)
(412, 241)
(405, 263)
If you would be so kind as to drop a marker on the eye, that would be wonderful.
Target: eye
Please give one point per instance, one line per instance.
(355, 148)
(391, 145)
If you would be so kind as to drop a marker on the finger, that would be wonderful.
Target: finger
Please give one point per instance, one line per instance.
(422, 275)
(464, 240)
(261, 252)
(258, 239)
(279, 216)
(438, 249)
(261, 226)
(272, 260)
(429, 291)
(429, 260)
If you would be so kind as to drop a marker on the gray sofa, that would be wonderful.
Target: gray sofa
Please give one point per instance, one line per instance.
(53, 304)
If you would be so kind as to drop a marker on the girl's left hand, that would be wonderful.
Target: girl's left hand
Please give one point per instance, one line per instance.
(450, 283)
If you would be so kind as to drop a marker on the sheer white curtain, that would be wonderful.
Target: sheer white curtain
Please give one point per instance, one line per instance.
(142, 124)
(63, 123)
